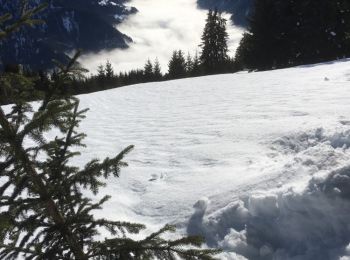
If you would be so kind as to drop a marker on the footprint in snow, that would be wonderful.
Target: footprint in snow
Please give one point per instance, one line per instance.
(345, 122)
(299, 113)
(155, 177)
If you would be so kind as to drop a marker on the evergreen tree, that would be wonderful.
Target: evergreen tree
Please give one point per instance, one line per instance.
(177, 65)
(101, 77)
(109, 72)
(196, 66)
(214, 43)
(148, 71)
(284, 33)
(189, 65)
(265, 46)
(44, 210)
(101, 72)
(157, 71)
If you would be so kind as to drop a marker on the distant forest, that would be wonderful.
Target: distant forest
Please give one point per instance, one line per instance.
(212, 59)
(280, 34)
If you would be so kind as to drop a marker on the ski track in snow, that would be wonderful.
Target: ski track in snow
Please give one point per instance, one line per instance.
(211, 136)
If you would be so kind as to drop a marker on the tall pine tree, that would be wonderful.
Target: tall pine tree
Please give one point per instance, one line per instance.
(157, 71)
(214, 44)
(148, 71)
(196, 66)
(109, 72)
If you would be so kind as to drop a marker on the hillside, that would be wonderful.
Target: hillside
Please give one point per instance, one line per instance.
(264, 157)
(85, 24)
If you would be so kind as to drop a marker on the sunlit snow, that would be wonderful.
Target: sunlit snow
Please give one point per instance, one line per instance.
(262, 151)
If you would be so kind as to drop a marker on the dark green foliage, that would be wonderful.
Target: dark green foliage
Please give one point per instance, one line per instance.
(286, 33)
(132, 77)
(157, 71)
(26, 19)
(148, 71)
(189, 65)
(177, 65)
(196, 69)
(109, 72)
(101, 72)
(214, 44)
(165, 249)
(44, 210)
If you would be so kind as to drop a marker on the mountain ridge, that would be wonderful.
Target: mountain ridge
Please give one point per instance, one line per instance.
(81, 24)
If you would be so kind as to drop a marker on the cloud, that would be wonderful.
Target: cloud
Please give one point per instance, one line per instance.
(159, 27)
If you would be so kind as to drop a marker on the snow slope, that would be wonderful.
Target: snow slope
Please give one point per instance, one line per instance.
(262, 156)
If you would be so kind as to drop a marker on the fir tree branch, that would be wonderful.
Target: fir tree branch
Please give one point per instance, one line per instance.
(25, 19)
(50, 205)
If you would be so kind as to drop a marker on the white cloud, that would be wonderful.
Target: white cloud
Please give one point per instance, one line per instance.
(159, 27)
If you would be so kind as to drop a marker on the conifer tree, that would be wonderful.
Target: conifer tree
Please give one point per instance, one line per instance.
(157, 71)
(196, 66)
(148, 71)
(284, 33)
(101, 71)
(44, 211)
(101, 77)
(189, 65)
(109, 72)
(214, 43)
(177, 65)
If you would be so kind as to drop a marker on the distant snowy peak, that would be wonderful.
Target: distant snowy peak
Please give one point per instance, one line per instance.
(85, 24)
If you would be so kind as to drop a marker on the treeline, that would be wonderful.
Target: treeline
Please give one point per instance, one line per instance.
(213, 58)
(281, 33)
(285, 33)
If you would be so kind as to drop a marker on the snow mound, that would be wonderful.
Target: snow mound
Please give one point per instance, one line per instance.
(313, 224)
(314, 151)
(304, 140)
(308, 222)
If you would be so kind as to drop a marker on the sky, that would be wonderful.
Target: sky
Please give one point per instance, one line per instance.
(159, 27)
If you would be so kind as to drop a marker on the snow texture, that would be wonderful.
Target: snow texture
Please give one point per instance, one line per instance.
(313, 224)
(263, 157)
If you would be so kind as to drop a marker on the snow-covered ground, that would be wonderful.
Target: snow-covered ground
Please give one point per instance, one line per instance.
(262, 157)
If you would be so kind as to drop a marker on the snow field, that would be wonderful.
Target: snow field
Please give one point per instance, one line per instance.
(257, 163)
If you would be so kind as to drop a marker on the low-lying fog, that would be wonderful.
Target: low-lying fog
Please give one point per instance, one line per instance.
(159, 27)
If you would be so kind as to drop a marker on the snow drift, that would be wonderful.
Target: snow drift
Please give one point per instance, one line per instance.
(264, 157)
(286, 223)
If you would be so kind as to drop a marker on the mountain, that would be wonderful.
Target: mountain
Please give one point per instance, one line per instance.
(85, 24)
(240, 9)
